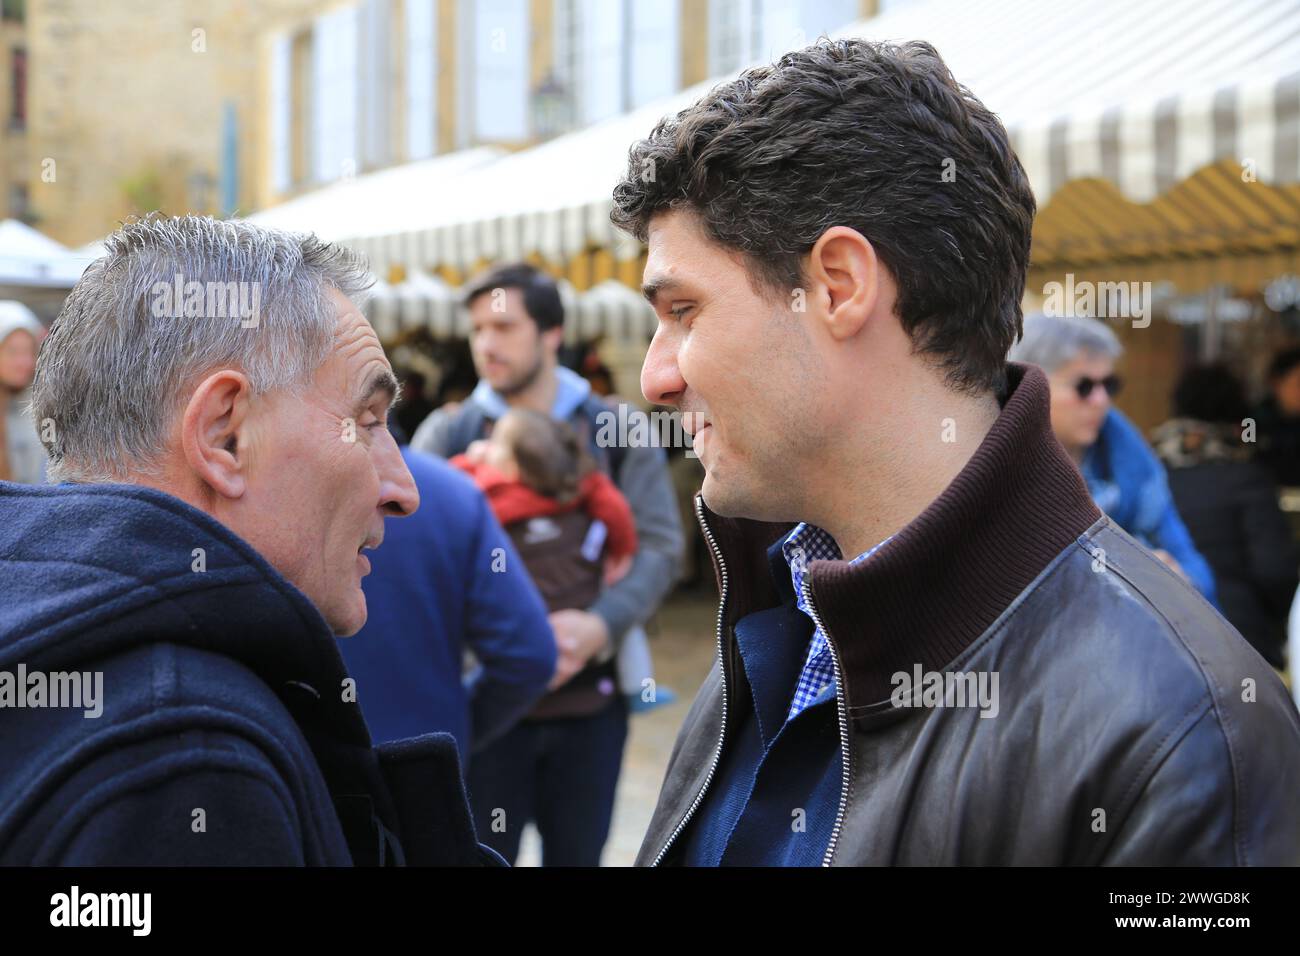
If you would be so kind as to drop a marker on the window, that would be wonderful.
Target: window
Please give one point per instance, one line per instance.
(627, 54)
(601, 60)
(421, 77)
(281, 113)
(656, 59)
(300, 107)
(788, 26)
(18, 83)
(374, 78)
(567, 42)
(779, 27)
(730, 33)
(494, 72)
(19, 203)
(334, 96)
(744, 32)
(556, 97)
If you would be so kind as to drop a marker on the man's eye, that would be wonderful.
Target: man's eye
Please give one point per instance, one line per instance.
(679, 312)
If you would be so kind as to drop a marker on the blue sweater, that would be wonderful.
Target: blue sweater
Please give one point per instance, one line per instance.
(448, 578)
(223, 734)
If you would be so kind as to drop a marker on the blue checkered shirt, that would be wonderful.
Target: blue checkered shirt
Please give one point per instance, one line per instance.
(805, 544)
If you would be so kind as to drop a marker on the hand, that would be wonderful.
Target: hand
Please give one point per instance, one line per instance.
(579, 636)
(617, 568)
(476, 453)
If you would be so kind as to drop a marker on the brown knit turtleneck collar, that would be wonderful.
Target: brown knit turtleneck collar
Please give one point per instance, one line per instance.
(938, 583)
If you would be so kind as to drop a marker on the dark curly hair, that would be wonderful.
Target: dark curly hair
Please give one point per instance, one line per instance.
(541, 294)
(875, 136)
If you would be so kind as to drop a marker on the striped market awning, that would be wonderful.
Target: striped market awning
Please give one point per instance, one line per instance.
(1140, 93)
(609, 310)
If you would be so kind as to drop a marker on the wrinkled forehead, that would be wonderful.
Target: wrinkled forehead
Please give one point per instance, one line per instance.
(352, 326)
(357, 366)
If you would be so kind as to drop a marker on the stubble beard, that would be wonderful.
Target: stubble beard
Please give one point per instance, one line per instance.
(524, 381)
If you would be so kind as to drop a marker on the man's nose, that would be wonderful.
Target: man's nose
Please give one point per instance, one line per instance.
(484, 342)
(398, 496)
(661, 380)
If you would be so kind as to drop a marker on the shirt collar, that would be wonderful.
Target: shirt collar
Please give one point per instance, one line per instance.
(808, 543)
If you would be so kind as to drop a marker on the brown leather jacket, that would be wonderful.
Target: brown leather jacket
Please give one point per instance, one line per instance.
(1133, 726)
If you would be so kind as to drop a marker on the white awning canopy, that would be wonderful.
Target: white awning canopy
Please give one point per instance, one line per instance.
(29, 258)
(386, 202)
(552, 200)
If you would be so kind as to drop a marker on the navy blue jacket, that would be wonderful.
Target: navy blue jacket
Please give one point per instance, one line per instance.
(448, 578)
(226, 735)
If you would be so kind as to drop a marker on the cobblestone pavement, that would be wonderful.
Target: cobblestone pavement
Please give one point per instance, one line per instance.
(683, 646)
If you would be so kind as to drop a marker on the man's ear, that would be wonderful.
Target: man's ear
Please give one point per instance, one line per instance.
(844, 270)
(553, 339)
(212, 427)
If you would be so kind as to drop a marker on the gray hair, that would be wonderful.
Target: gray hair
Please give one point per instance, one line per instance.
(1051, 341)
(114, 369)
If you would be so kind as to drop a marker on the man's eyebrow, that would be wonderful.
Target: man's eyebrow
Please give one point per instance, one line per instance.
(382, 381)
(658, 285)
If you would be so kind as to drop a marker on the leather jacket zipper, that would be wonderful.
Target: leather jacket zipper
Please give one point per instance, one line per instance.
(722, 675)
(841, 710)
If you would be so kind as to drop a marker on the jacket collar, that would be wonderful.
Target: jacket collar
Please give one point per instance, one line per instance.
(942, 580)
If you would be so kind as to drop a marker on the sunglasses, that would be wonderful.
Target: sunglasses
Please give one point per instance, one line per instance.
(1111, 383)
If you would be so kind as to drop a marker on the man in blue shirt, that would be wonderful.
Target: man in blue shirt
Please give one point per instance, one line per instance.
(446, 581)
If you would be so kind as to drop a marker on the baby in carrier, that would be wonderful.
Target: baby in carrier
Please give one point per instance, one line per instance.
(570, 524)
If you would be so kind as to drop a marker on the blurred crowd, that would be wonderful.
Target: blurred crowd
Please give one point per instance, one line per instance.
(530, 571)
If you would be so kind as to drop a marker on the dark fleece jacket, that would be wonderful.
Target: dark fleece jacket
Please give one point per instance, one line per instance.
(227, 733)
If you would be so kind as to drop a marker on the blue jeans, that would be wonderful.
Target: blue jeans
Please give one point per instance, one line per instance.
(560, 774)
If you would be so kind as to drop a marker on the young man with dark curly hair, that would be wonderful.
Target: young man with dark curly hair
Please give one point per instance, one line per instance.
(932, 647)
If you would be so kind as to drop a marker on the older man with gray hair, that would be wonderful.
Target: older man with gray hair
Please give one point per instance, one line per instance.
(1125, 478)
(214, 406)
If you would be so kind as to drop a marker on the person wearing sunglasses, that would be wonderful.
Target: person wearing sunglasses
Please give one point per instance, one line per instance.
(1123, 474)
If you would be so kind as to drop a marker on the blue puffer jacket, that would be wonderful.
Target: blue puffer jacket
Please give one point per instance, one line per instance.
(224, 733)
(1128, 482)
